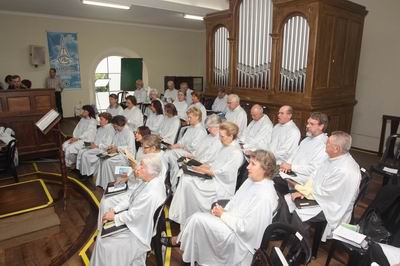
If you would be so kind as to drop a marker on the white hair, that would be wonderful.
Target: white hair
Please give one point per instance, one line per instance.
(213, 121)
(153, 164)
(154, 90)
(234, 97)
(342, 140)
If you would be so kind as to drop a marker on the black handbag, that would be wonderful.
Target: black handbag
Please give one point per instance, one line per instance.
(372, 226)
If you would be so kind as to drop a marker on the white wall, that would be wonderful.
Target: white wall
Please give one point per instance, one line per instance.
(378, 87)
(165, 51)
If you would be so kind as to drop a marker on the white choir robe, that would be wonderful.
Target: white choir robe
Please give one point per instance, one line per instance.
(130, 247)
(190, 141)
(220, 104)
(141, 95)
(169, 129)
(188, 98)
(115, 111)
(284, 141)
(233, 238)
(308, 157)
(87, 161)
(170, 95)
(85, 131)
(257, 135)
(153, 122)
(110, 202)
(181, 108)
(148, 111)
(105, 171)
(195, 194)
(335, 188)
(134, 117)
(239, 117)
(203, 110)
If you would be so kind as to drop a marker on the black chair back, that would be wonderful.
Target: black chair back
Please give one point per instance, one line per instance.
(293, 246)
(243, 173)
(391, 155)
(365, 180)
(7, 160)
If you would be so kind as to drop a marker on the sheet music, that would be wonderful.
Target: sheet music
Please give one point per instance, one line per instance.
(47, 119)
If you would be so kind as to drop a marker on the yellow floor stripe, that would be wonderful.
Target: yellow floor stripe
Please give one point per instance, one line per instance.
(168, 250)
(35, 167)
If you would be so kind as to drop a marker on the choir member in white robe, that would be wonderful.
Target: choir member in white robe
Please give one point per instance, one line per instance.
(188, 143)
(123, 140)
(170, 125)
(258, 133)
(155, 117)
(236, 113)
(114, 108)
(153, 96)
(184, 87)
(196, 103)
(141, 93)
(195, 194)
(335, 187)
(310, 154)
(130, 247)
(85, 131)
(133, 114)
(181, 105)
(285, 135)
(170, 94)
(230, 236)
(87, 160)
(220, 102)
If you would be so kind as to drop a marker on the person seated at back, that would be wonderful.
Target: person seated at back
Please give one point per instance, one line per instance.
(334, 186)
(133, 114)
(123, 141)
(258, 133)
(114, 108)
(170, 94)
(195, 194)
(85, 131)
(184, 87)
(140, 92)
(26, 84)
(308, 156)
(236, 113)
(153, 96)
(181, 105)
(170, 124)
(130, 247)
(196, 96)
(285, 135)
(87, 159)
(8, 82)
(230, 235)
(156, 116)
(220, 102)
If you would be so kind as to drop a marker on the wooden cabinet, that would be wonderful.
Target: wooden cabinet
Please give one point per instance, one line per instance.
(20, 110)
(332, 34)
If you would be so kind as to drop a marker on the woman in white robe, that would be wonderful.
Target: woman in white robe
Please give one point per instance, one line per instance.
(170, 125)
(155, 118)
(131, 246)
(181, 105)
(123, 139)
(196, 96)
(188, 143)
(85, 131)
(133, 114)
(87, 160)
(114, 108)
(195, 194)
(230, 236)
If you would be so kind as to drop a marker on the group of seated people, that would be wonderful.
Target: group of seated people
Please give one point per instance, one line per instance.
(15, 82)
(318, 167)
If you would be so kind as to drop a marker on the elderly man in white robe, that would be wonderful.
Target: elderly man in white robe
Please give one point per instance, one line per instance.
(188, 143)
(258, 133)
(141, 93)
(195, 194)
(170, 94)
(236, 113)
(85, 131)
(285, 135)
(87, 160)
(308, 157)
(130, 247)
(230, 235)
(123, 140)
(334, 186)
(220, 102)
(133, 114)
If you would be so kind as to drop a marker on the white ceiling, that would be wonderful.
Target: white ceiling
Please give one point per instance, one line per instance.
(167, 13)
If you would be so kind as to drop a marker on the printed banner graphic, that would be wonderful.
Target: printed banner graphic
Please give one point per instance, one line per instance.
(64, 57)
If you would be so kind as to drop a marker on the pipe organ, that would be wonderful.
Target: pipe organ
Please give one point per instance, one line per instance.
(304, 53)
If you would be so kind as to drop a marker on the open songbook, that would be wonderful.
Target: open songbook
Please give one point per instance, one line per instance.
(189, 170)
(188, 161)
(106, 155)
(113, 189)
(48, 121)
(344, 234)
(110, 229)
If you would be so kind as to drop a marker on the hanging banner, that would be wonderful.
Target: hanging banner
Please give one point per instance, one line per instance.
(64, 57)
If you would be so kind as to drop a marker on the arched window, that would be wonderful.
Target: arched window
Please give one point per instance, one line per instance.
(107, 80)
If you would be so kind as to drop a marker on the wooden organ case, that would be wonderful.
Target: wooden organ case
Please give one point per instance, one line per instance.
(303, 53)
